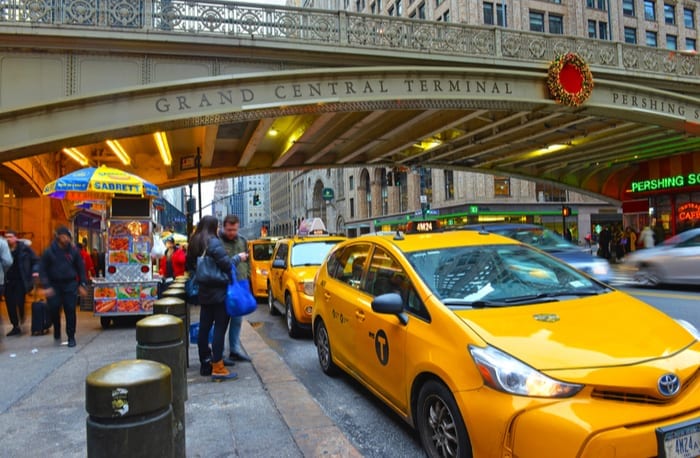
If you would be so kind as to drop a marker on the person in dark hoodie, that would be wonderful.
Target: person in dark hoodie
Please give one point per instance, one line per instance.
(19, 280)
(62, 274)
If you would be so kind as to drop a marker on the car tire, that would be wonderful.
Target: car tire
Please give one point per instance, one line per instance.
(323, 349)
(105, 322)
(292, 324)
(271, 302)
(440, 424)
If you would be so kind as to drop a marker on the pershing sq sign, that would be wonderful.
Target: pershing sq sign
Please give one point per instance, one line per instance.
(672, 182)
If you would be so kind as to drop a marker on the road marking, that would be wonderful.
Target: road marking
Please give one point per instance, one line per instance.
(690, 296)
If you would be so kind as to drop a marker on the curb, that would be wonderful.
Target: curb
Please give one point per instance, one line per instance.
(312, 430)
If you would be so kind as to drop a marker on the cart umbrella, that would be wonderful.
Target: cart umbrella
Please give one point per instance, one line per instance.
(177, 237)
(99, 183)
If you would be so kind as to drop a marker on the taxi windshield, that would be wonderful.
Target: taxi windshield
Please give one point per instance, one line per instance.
(498, 275)
(311, 253)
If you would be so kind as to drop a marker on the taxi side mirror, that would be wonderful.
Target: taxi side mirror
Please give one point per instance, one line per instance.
(391, 304)
(279, 263)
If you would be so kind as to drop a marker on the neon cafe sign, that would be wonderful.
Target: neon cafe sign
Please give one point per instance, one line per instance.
(689, 211)
(656, 184)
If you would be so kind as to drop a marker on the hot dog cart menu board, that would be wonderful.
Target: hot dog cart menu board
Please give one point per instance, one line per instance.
(124, 298)
(128, 249)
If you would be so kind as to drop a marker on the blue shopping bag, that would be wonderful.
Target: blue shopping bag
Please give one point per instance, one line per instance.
(239, 299)
(194, 333)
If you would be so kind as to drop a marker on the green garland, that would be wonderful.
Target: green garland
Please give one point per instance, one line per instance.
(557, 90)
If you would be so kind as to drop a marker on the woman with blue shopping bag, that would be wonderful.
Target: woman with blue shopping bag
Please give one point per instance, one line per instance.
(210, 267)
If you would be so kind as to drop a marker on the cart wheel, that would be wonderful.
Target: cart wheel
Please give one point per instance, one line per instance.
(105, 321)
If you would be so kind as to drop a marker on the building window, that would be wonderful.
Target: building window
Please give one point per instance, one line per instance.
(438, 3)
(379, 6)
(421, 11)
(352, 207)
(628, 8)
(373, 8)
(391, 11)
(689, 18)
(631, 35)
(556, 24)
(592, 32)
(351, 182)
(500, 14)
(449, 184)
(669, 14)
(690, 44)
(597, 4)
(9, 207)
(558, 2)
(446, 16)
(603, 30)
(501, 186)
(649, 10)
(651, 39)
(536, 21)
(671, 42)
(399, 8)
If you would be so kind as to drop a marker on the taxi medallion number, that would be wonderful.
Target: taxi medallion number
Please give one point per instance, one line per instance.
(679, 441)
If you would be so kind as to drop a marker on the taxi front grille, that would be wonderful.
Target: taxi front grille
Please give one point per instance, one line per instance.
(625, 396)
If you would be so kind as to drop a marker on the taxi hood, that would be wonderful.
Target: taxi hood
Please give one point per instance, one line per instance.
(609, 330)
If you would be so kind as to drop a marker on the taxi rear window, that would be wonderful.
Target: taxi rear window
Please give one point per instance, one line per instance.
(263, 251)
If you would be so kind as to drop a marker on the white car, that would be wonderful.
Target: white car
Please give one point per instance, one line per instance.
(676, 260)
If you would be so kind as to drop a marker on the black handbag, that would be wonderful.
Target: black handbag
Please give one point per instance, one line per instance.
(208, 272)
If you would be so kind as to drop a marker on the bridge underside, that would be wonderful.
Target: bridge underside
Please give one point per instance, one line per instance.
(488, 121)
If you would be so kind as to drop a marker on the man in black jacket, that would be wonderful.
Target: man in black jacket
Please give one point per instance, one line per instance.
(19, 280)
(62, 273)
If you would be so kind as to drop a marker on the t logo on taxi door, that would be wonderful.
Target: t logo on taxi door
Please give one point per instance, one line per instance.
(381, 347)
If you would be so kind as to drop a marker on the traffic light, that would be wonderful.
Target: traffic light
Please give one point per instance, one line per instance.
(390, 179)
(256, 200)
(565, 211)
(398, 178)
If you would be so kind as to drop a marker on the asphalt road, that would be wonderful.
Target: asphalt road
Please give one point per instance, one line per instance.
(373, 428)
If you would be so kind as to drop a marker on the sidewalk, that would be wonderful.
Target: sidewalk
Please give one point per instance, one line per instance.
(266, 412)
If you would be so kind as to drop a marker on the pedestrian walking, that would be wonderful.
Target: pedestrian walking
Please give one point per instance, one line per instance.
(647, 237)
(62, 274)
(19, 279)
(206, 242)
(235, 244)
(5, 263)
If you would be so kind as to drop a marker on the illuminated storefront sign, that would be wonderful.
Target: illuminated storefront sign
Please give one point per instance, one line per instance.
(689, 211)
(656, 184)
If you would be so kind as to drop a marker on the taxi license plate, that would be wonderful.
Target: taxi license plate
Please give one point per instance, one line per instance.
(681, 440)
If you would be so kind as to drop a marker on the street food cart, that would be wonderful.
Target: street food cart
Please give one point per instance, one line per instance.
(128, 286)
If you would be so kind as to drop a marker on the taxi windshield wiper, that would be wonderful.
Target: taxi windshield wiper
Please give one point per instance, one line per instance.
(550, 296)
(478, 304)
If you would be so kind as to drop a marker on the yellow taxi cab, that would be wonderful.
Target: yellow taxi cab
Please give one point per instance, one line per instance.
(260, 260)
(493, 348)
(295, 262)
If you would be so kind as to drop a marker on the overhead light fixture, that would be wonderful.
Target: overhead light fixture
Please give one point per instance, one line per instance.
(118, 150)
(430, 143)
(76, 155)
(163, 147)
(272, 132)
(549, 149)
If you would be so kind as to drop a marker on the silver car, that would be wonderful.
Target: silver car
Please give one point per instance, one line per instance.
(676, 260)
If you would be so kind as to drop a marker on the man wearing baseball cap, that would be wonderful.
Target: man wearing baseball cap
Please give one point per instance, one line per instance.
(62, 274)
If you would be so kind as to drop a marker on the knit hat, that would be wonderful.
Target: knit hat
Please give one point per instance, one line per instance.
(170, 239)
(60, 230)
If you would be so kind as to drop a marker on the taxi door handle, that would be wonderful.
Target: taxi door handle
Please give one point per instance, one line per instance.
(360, 315)
(326, 296)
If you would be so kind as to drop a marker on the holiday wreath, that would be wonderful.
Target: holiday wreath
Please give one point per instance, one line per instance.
(569, 80)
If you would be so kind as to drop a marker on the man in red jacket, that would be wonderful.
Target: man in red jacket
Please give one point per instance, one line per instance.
(172, 264)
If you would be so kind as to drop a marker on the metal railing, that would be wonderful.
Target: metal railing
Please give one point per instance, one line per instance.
(337, 29)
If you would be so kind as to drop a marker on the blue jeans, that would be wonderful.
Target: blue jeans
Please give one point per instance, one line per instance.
(234, 335)
(212, 314)
(66, 296)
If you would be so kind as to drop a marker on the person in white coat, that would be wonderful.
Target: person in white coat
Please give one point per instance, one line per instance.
(647, 236)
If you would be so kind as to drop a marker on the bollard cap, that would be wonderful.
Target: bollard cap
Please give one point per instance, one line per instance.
(170, 305)
(128, 388)
(175, 292)
(159, 328)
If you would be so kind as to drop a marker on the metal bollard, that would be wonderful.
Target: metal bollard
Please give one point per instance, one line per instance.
(173, 303)
(129, 410)
(160, 338)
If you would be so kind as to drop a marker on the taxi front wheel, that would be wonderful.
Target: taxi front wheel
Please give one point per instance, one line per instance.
(292, 325)
(323, 348)
(271, 302)
(439, 422)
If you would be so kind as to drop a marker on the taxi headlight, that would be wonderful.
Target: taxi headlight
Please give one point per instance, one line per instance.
(503, 372)
(260, 271)
(307, 287)
(690, 328)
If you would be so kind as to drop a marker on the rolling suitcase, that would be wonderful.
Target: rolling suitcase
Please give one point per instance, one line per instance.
(41, 318)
